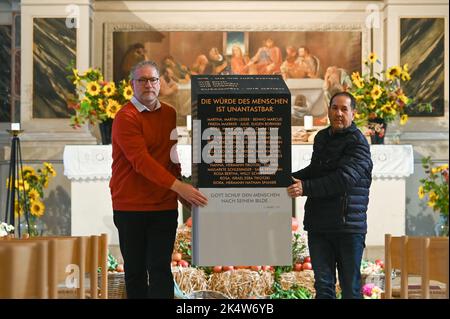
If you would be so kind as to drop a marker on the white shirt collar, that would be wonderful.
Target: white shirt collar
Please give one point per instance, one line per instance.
(141, 107)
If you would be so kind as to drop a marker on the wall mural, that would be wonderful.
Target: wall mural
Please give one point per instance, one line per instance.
(5, 73)
(54, 48)
(313, 63)
(425, 65)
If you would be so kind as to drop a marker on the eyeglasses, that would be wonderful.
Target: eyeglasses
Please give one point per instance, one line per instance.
(143, 81)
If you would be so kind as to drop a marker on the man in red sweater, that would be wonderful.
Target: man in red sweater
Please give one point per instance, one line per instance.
(144, 186)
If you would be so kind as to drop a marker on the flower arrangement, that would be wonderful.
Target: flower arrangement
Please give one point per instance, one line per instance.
(373, 273)
(371, 291)
(380, 97)
(32, 183)
(435, 189)
(372, 268)
(6, 229)
(96, 100)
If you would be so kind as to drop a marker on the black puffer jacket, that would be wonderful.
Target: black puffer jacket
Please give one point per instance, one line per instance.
(337, 182)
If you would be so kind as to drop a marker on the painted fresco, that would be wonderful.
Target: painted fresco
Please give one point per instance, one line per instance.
(314, 64)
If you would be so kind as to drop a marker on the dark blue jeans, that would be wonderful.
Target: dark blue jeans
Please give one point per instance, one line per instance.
(341, 250)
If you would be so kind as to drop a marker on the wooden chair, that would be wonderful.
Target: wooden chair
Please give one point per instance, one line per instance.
(70, 258)
(426, 257)
(23, 270)
(88, 253)
(436, 253)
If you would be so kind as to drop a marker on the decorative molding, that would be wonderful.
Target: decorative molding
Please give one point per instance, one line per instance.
(111, 27)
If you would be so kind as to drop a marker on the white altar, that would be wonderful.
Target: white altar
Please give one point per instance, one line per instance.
(89, 169)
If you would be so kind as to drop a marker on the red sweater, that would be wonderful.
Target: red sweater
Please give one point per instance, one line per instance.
(142, 171)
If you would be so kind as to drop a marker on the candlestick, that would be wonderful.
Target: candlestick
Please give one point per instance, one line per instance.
(308, 122)
(188, 122)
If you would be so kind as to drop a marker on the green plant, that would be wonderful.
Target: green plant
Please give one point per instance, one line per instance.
(112, 262)
(294, 292)
(434, 189)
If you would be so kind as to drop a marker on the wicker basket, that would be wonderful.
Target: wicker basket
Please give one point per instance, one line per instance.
(116, 285)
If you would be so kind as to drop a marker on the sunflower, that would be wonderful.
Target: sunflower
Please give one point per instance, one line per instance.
(372, 57)
(50, 168)
(393, 72)
(101, 105)
(358, 98)
(22, 185)
(388, 108)
(433, 196)
(357, 80)
(402, 97)
(29, 174)
(76, 77)
(403, 119)
(109, 89)
(376, 92)
(28, 170)
(421, 192)
(37, 208)
(33, 194)
(93, 88)
(405, 76)
(127, 92)
(112, 108)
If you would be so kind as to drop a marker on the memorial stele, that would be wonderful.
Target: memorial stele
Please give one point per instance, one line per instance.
(241, 157)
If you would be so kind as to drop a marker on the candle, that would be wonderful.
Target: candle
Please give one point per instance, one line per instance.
(15, 126)
(188, 123)
(308, 122)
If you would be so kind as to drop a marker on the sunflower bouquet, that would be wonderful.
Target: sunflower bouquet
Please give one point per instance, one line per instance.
(96, 100)
(30, 185)
(379, 95)
(434, 189)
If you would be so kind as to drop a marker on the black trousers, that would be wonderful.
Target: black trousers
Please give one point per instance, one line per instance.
(146, 243)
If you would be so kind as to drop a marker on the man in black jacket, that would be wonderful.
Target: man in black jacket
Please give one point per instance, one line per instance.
(337, 183)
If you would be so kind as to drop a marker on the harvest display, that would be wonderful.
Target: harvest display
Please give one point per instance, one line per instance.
(294, 281)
